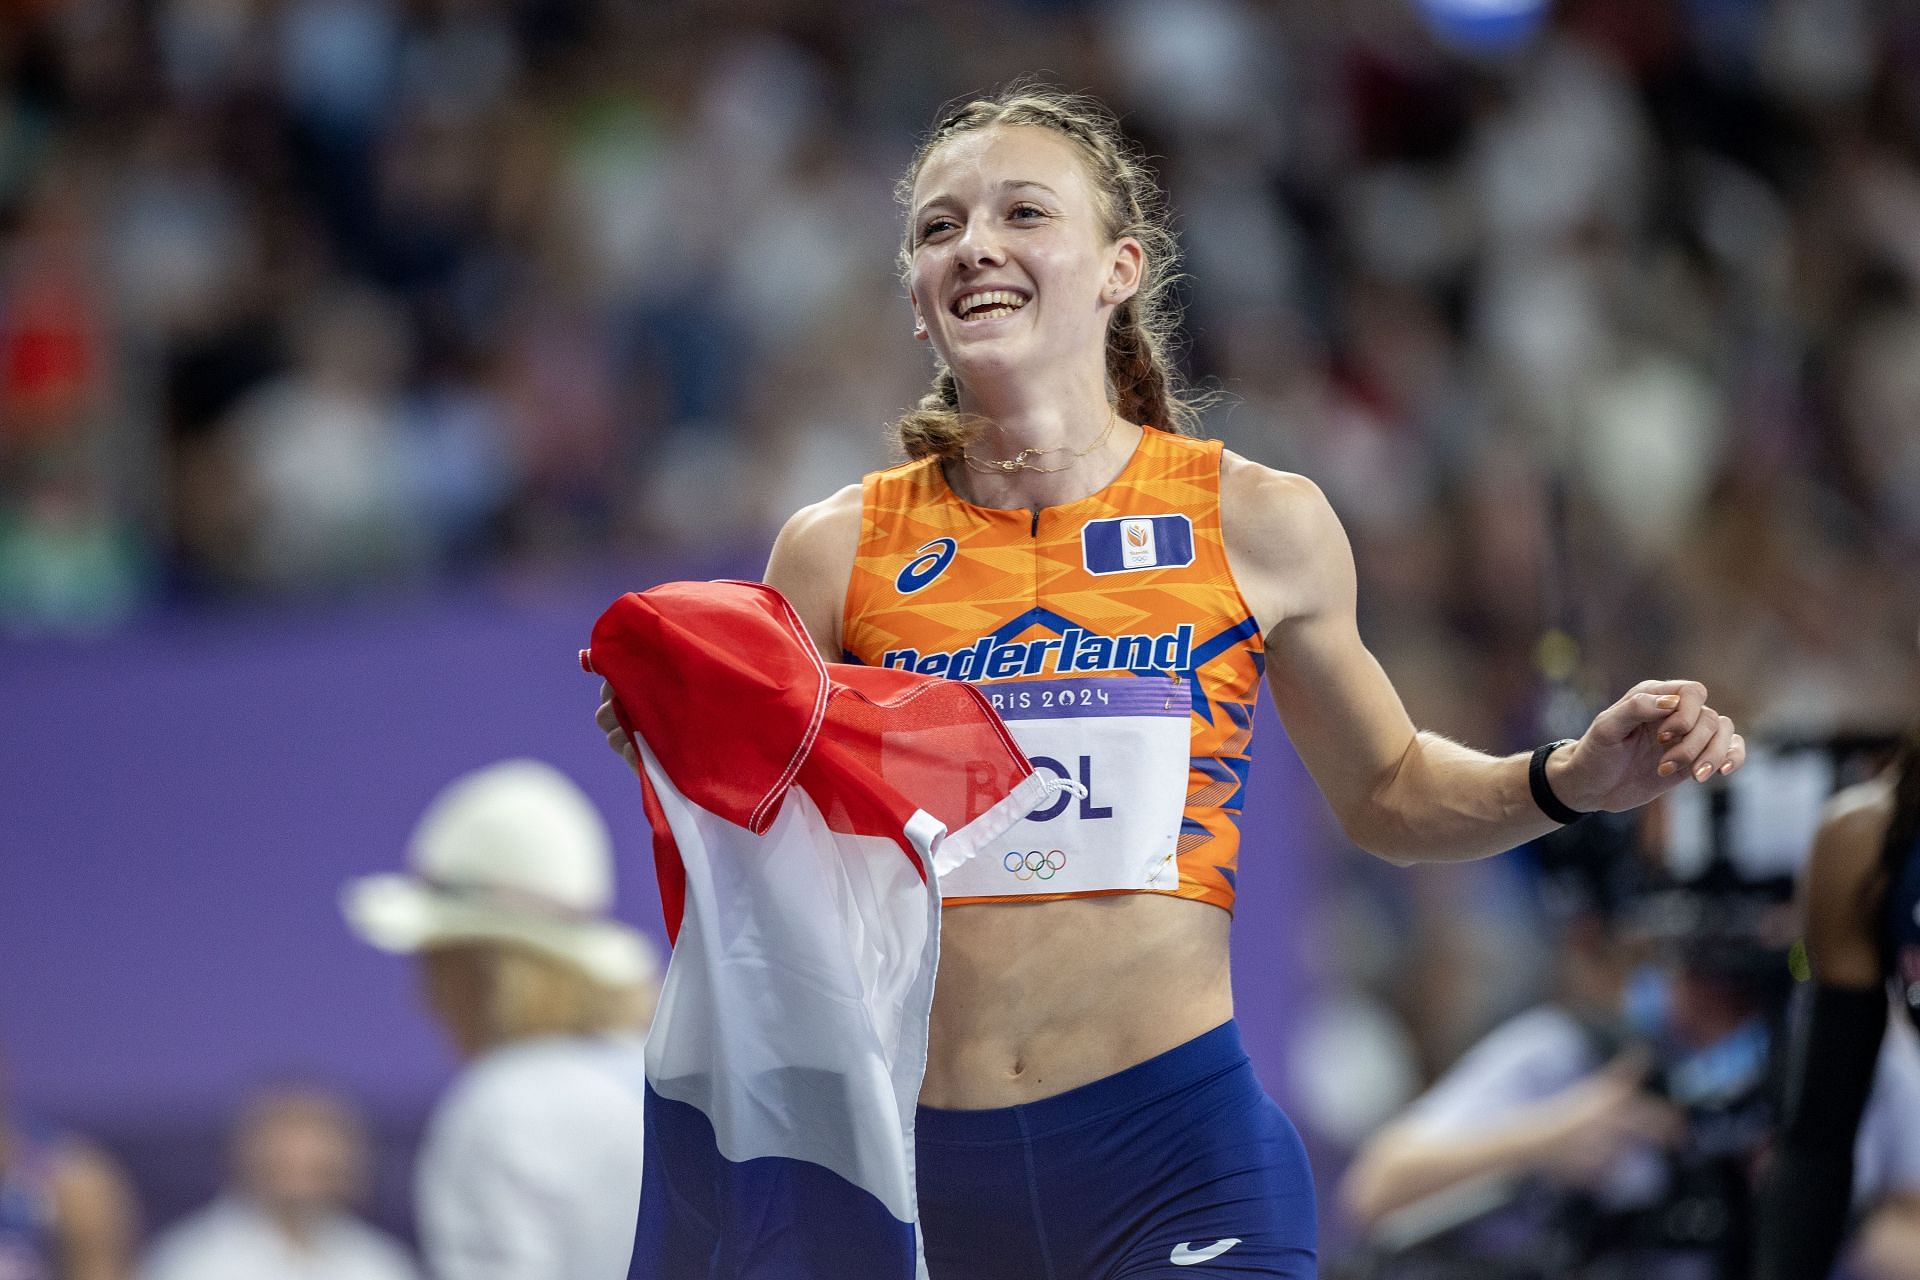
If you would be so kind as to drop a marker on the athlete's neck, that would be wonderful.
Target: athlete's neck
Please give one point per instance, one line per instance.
(1053, 429)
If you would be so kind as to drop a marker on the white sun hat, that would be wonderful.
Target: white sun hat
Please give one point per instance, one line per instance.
(513, 852)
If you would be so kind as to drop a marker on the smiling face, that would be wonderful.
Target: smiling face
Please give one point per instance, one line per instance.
(1013, 267)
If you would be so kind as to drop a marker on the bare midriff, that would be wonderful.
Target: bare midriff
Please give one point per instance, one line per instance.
(1035, 998)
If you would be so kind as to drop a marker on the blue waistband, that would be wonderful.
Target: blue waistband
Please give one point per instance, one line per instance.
(1181, 1067)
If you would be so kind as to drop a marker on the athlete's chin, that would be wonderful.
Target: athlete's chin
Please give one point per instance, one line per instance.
(994, 360)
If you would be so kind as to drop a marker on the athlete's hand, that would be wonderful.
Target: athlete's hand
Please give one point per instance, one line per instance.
(610, 725)
(1661, 734)
(1597, 1120)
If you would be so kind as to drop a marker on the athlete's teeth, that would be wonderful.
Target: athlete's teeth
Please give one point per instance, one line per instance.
(1004, 302)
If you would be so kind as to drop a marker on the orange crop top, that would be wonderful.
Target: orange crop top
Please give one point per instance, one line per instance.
(1110, 635)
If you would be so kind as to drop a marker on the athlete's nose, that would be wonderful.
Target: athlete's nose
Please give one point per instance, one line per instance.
(980, 245)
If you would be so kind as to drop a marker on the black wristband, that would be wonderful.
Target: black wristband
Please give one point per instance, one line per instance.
(1543, 796)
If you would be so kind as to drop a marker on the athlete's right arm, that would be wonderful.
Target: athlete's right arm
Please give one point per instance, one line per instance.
(811, 565)
(1808, 1192)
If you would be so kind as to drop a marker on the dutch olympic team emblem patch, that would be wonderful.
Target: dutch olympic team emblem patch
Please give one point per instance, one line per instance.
(927, 564)
(1124, 544)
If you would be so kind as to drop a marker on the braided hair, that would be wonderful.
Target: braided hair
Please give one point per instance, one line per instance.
(1145, 384)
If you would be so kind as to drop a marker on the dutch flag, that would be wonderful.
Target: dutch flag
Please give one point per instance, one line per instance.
(801, 815)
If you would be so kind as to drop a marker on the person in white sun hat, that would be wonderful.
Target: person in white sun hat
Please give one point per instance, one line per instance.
(531, 1164)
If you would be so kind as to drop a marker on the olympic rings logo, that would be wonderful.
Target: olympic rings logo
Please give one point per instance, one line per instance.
(1033, 864)
(927, 564)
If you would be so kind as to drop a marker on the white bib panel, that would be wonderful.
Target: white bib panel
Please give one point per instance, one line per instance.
(1125, 740)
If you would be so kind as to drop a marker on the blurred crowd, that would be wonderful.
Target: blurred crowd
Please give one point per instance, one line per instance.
(1612, 330)
(296, 1181)
(1604, 338)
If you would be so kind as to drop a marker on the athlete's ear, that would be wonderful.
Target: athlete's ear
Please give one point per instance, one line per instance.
(919, 321)
(1129, 265)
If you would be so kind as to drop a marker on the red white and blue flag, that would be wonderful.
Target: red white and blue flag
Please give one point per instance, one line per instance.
(802, 814)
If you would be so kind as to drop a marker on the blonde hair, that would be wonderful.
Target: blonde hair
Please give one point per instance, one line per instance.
(535, 994)
(1145, 385)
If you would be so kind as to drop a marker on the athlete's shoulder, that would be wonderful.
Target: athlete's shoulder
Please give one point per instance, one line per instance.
(1263, 493)
(841, 505)
(1278, 522)
(819, 535)
(813, 559)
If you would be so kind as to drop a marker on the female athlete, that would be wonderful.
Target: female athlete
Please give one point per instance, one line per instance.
(1863, 932)
(1118, 586)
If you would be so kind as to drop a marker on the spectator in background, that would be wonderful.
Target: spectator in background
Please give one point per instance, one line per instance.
(1569, 1135)
(66, 564)
(1862, 894)
(66, 1211)
(1535, 1108)
(531, 1168)
(318, 450)
(299, 1164)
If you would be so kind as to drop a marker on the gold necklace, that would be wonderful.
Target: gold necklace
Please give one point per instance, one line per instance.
(1019, 461)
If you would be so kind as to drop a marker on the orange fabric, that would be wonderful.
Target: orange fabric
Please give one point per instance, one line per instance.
(1008, 577)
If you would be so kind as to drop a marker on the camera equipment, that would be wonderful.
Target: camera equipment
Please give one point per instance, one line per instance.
(1704, 883)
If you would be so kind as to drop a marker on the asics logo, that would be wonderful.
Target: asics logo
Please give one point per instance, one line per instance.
(1185, 1255)
(927, 564)
(1034, 864)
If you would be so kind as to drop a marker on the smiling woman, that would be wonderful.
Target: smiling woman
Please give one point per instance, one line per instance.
(1118, 587)
(1073, 142)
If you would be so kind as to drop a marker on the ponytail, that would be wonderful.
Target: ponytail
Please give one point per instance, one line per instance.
(932, 428)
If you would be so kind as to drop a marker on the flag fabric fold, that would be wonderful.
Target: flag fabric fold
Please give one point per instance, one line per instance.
(802, 814)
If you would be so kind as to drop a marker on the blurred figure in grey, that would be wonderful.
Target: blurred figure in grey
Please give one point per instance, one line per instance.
(531, 1167)
(299, 1165)
(66, 1212)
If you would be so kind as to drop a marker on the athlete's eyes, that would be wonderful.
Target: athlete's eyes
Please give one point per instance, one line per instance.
(942, 223)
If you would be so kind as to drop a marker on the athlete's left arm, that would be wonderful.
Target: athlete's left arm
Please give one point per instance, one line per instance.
(1406, 795)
